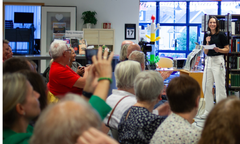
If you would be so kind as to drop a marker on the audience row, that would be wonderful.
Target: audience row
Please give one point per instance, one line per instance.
(84, 113)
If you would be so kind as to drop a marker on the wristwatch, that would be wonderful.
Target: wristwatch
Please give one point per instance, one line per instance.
(87, 94)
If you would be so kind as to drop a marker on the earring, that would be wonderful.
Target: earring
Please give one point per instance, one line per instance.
(24, 113)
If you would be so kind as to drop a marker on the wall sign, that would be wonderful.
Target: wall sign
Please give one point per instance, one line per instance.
(130, 31)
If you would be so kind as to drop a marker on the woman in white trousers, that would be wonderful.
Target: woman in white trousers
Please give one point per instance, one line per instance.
(214, 70)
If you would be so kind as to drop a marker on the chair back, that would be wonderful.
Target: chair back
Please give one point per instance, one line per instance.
(52, 98)
(165, 62)
(114, 133)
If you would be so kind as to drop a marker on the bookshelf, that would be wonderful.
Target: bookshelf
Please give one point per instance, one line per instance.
(100, 37)
(233, 57)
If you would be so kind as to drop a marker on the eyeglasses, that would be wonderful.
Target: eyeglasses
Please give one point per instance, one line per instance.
(69, 50)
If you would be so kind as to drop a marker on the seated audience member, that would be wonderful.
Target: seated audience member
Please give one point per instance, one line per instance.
(10, 54)
(125, 73)
(132, 47)
(38, 85)
(139, 57)
(34, 65)
(46, 72)
(65, 121)
(5, 50)
(183, 96)
(138, 124)
(20, 106)
(126, 42)
(222, 125)
(75, 66)
(124, 47)
(15, 64)
(72, 115)
(62, 78)
(97, 92)
(94, 136)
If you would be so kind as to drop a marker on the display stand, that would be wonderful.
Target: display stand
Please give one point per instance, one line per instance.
(197, 75)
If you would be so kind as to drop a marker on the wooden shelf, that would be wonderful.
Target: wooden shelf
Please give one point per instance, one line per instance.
(234, 70)
(234, 53)
(99, 37)
(234, 87)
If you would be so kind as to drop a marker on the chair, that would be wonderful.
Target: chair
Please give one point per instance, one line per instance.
(8, 24)
(52, 98)
(165, 62)
(114, 133)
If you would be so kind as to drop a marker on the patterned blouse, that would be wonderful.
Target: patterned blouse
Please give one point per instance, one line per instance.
(139, 126)
(176, 130)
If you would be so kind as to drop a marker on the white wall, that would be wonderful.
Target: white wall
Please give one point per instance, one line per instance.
(117, 12)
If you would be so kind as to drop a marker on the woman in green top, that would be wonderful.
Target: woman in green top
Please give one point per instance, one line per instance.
(20, 106)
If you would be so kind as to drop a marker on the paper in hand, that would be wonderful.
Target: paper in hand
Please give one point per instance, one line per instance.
(209, 46)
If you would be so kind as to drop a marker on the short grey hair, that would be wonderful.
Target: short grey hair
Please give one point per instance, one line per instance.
(137, 56)
(123, 52)
(57, 47)
(148, 85)
(125, 73)
(65, 121)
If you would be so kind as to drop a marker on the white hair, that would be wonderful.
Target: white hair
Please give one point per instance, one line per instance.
(57, 47)
(123, 52)
(65, 121)
(125, 73)
(137, 56)
(148, 85)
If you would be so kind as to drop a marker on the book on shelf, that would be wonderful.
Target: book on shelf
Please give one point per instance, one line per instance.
(235, 45)
(235, 27)
(235, 80)
(222, 24)
(75, 45)
(233, 62)
(238, 62)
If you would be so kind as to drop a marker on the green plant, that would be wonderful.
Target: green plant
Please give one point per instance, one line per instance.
(89, 17)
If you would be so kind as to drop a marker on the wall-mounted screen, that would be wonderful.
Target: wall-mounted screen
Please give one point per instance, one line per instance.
(20, 17)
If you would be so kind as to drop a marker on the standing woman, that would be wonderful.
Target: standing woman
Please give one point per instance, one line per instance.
(214, 70)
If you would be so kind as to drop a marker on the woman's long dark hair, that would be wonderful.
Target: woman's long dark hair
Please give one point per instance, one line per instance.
(38, 85)
(217, 22)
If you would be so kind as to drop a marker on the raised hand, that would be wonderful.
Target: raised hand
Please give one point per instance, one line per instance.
(93, 136)
(103, 65)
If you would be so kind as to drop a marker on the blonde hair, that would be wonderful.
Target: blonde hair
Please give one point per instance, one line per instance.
(123, 52)
(5, 41)
(14, 92)
(65, 124)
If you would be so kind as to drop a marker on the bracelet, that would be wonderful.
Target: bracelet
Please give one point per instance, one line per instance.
(105, 78)
(87, 94)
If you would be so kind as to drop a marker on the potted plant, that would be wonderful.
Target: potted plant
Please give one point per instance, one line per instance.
(153, 60)
(89, 18)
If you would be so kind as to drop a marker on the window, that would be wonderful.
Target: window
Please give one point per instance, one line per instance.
(197, 9)
(23, 47)
(146, 10)
(172, 38)
(172, 12)
(230, 7)
(180, 23)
